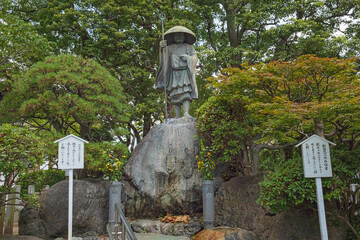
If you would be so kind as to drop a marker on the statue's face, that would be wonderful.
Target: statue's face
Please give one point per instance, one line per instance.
(179, 37)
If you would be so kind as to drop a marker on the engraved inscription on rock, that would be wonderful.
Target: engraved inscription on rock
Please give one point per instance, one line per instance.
(188, 165)
(170, 161)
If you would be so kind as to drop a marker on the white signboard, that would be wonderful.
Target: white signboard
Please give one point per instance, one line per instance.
(71, 152)
(316, 157)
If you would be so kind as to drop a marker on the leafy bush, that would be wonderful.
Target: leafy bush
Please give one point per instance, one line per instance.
(39, 179)
(286, 187)
(205, 163)
(95, 161)
(20, 151)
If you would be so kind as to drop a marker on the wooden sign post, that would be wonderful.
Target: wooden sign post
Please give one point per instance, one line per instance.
(71, 156)
(316, 161)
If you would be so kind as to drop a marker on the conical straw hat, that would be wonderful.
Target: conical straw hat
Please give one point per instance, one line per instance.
(189, 35)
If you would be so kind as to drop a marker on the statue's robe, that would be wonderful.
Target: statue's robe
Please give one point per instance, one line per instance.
(178, 75)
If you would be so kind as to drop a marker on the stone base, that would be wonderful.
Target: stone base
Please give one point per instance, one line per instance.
(175, 229)
(161, 176)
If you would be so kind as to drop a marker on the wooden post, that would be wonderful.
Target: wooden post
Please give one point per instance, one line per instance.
(31, 189)
(17, 210)
(10, 210)
(2, 216)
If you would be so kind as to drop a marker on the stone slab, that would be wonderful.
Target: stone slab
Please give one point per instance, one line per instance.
(155, 236)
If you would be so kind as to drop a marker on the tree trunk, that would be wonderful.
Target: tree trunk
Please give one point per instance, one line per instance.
(255, 154)
(234, 35)
(319, 128)
(246, 161)
(85, 131)
(288, 153)
(57, 125)
(147, 123)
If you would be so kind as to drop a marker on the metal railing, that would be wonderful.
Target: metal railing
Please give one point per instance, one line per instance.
(120, 230)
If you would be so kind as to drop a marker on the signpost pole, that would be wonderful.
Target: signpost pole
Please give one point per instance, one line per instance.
(321, 209)
(71, 156)
(316, 160)
(71, 176)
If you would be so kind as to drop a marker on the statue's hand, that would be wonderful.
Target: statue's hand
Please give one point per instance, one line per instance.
(183, 58)
(163, 44)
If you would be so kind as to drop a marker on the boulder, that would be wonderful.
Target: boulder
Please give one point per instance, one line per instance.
(30, 223)
(235, 206)
(225, 233)
(161, 176)
(90, 210)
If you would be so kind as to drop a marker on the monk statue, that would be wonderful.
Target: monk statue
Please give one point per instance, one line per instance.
(178, 68)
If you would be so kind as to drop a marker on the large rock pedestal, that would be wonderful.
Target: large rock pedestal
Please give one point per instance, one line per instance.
(161, 175)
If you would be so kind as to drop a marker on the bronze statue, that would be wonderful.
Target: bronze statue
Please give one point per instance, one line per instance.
(178, 68)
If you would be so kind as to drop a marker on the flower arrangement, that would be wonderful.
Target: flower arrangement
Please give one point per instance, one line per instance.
(114, 165)
(205, 165)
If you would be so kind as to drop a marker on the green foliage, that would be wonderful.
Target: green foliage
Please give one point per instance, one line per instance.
(271, 159)
(39, 178)
(124, 36)
(222, 126)
(278, 103)
(286, 187)
(32, 200)
(18, 51)
(20, 151)
(267, 30)
(356, 225)
(114, 166)
(96, 159)
(121, 35)
(68, 94)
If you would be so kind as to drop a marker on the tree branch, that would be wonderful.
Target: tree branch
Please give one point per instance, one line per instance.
(208, 20)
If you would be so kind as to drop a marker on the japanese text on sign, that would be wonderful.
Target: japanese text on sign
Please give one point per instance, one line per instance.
(71, 153)
(316, 158)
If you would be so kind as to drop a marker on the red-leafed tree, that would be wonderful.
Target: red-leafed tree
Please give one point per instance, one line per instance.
(276, 105)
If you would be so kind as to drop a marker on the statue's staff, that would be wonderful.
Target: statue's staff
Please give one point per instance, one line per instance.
(162, 18)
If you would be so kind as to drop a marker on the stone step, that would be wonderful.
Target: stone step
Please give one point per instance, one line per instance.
(156, 236)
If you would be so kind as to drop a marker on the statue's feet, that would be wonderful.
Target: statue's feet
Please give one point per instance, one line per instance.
(187, 114)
